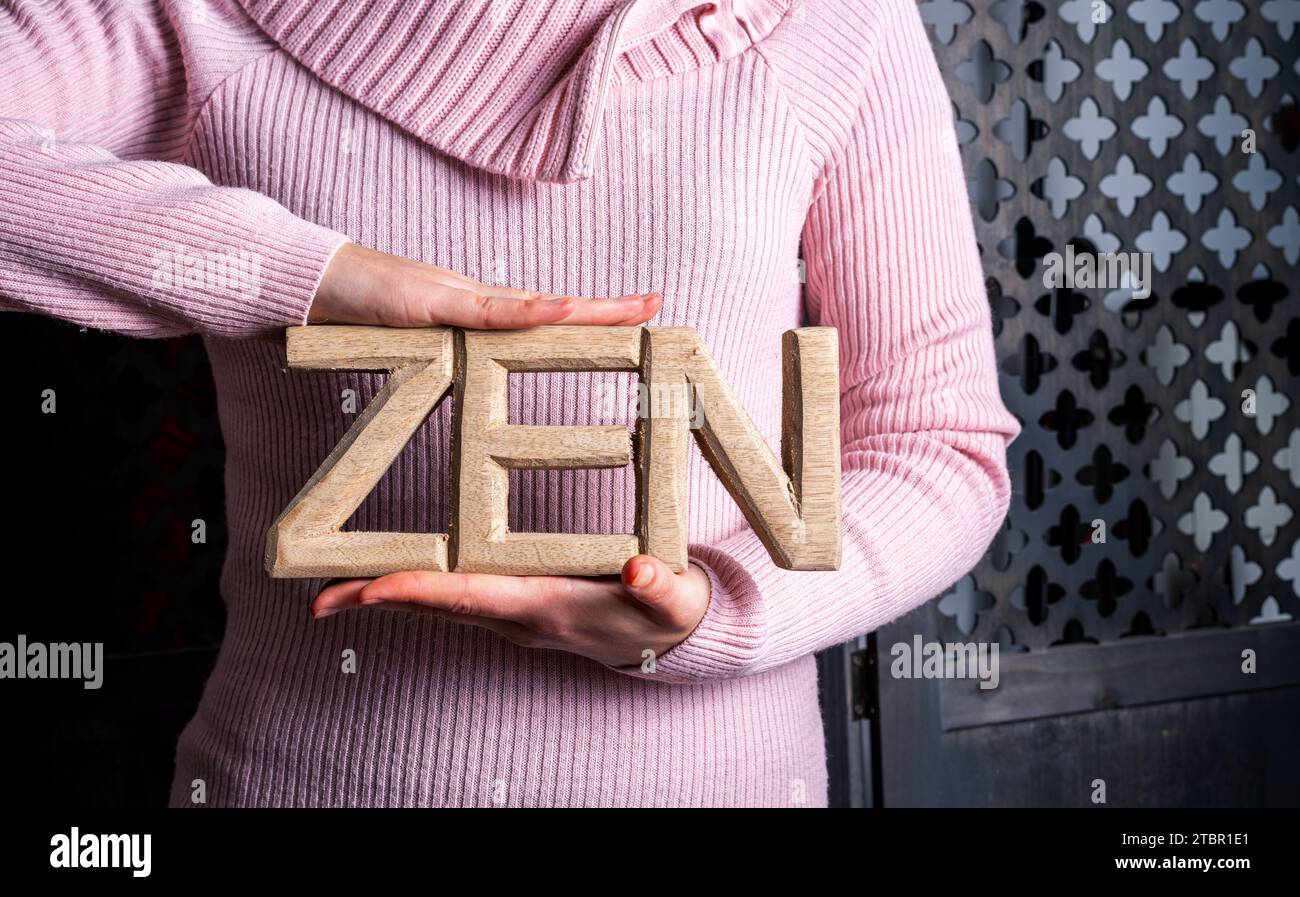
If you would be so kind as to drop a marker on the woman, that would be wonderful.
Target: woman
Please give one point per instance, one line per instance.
(233, 167)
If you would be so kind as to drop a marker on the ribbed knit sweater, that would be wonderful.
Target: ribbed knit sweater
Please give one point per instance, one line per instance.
(180, 166)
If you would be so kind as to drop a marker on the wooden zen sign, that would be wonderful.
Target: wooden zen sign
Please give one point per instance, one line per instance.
(792, 503)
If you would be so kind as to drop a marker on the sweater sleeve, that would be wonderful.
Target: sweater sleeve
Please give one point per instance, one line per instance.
(98, 223)
(893, 264)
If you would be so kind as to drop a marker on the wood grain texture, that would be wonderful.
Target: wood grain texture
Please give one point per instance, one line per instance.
(305, 540)
(486, 446)
(665, 410)
(792, 501)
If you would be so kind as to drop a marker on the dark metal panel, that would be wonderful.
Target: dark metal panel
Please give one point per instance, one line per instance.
(1111, 136)
(1126, 674)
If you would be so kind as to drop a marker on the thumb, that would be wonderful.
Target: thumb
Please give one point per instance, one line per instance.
(649, 581)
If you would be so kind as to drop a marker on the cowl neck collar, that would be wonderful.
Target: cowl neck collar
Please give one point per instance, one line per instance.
(514, 87)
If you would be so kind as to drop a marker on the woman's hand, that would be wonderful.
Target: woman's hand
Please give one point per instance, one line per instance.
(612, 621)
(362, 286)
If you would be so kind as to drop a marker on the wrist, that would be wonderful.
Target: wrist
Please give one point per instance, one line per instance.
(337, 283)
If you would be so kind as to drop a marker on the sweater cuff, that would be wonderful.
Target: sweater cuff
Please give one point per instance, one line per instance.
(290, 255)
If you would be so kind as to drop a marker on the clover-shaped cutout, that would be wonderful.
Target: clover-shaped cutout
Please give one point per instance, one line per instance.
(1054, 71)
(1261, 294)
(1058, 188)
(983, 71)
(964, 603)
(1199, 409)
(1257, 181)
(1025, 247)
(944, 16)
(1220, 15)
(1289, 569)
(1230, 351)
(1089, 128)
(1069, 533)
(1234, 463)
(1101, 474)
(1126, 185)
(1066, 418)
(1020, 130)
(1154, 15)
(1016, 16)
(1265, 404)
(1192, 183)
(988, 191)
(1241, 573)
(1287, 458)
(1028, 365)
(1006, 544)
(1162, 241)
(1121, 69)
(1039, 478)
(1072, 633)
(1003, 307)
(1140, 626)
(1196, 297)
(1270, 612)
(1037, 595)
(1098, 359)
(1173, 581)
(1287, 347)
(1285, 14)
(1168, 468)
(1189, 68)
(1254, 67)
(1137, 528)
(1157, 127)
(1203, 522)
(1223, 125)
(1084, 15)
(1226, 238)
(1286, 235)
(1106, 588)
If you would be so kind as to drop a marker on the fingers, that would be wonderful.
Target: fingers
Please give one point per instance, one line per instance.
(466, 594)
(363, 286)
(625, 311)
(337, 596)
(342, 595)
(520, 635)
(485, 308)
(645, 579)
(649, 581)
(612, 621)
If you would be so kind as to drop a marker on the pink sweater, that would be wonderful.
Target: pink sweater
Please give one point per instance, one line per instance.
(180, 166)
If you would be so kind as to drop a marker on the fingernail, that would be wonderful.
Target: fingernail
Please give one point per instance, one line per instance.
(642, 576)
(327, 612)
(558, 300)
